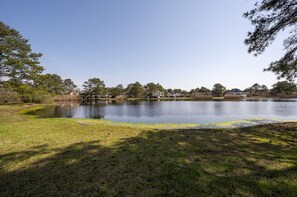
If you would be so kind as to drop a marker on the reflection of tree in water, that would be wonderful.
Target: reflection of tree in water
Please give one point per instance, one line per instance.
(171, 111)
(95, 102)
(62, 110)
(51, 112)
(68, 109)
(98, 116)
(143, 109)
(94, 111)
(218, 108)
(284, 109)
(133, 102)
(118, 102)
(154, 108)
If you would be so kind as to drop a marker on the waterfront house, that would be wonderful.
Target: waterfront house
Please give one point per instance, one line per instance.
(157, 94)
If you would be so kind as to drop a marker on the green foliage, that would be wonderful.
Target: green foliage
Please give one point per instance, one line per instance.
(51, 83)
(170, 91)
(32, 95)
(263, 88)
(269, 18)
(68, 86)
(218, 90)
(54, 84)
(20, 70)
(94, 86)
(199, 90)
(135, 90)
(204, 89)
(257, 90)
(177, 91)
(184, 92)
(150, 88)
(284, 87)
(116, 91)
(256, 87)
(7, 96)
(17, 61)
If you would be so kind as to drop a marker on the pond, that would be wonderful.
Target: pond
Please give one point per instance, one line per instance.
(195, 112)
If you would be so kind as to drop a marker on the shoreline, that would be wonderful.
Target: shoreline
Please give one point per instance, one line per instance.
(239, 123)
(74, 157)
(182, 99)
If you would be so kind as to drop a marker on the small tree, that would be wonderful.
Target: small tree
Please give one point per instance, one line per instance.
(94, 86)
(135, 90)
(218, 90)
(263, 88)
(283, 87)
(204, 90)
(54, 83)
(177, 91)
(116, 91)
(7, 96)
(68, 86)
(255, 88)
(150, 88)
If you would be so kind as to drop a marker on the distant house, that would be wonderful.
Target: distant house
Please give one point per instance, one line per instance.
(74, 93)
(72, 96)
(157, 94)
(171, 94)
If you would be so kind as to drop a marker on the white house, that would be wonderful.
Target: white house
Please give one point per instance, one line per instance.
(158, 94)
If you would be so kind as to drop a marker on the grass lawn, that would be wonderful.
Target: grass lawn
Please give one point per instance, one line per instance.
(75, 157)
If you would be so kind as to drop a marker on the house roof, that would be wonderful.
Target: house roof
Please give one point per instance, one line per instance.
(235, 90)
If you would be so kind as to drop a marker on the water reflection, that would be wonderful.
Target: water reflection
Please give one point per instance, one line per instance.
(218, 108)
(174, 111)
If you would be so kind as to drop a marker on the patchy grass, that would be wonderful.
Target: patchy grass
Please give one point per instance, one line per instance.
(75, 157)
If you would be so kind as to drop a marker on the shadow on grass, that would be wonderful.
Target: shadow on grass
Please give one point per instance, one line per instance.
(162, 163)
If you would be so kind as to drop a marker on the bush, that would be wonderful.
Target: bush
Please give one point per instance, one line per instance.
(41, 97)
(47, 98)
(67, 97)
(7, 96)
(32, 95)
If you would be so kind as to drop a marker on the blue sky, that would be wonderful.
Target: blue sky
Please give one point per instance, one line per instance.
(178, 43)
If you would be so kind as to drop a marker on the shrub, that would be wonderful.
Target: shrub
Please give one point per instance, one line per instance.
(41, 97)
(7, 96)
(33, 95)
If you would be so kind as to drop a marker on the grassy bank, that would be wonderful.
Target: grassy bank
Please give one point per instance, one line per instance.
(74, 157)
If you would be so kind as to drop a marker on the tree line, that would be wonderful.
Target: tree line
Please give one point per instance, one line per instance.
(22, 78)
(95, 86)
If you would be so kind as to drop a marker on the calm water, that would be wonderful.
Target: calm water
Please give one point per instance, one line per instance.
(176, 111)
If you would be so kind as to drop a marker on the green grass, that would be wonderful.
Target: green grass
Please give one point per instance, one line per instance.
(75, 157)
